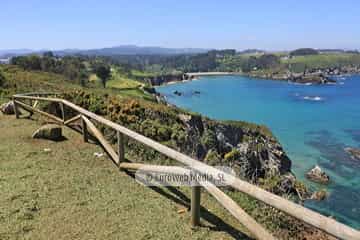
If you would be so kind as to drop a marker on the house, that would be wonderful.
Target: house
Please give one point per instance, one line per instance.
(4, 60)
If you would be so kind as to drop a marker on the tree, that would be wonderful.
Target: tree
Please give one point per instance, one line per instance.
(103, 72)
(83, 78)
(304, 52)
(48, 54)
(2, 78)
(267, 61)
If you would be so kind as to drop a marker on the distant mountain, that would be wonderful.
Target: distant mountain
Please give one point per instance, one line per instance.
(14, 52)
(118, 50)
(251, 51)
(136, 50)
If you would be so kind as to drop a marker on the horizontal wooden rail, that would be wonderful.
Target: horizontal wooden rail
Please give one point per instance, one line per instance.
(29, 108)
(308, 216)
(71, 120)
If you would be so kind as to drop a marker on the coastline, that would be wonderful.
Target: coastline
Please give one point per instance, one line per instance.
(310, 139)
(314, 76)
(199, 74)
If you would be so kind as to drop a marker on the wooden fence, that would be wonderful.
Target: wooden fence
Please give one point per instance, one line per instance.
(29, 102)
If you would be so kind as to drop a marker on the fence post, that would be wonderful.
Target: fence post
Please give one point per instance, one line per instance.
(16, 109)
(84, 130)
(195, 205)
(62, 111)
(121, 147)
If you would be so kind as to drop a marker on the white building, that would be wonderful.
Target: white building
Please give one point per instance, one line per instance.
(4, 60)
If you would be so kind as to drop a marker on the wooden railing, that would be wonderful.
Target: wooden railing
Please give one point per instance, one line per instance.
(29, 103)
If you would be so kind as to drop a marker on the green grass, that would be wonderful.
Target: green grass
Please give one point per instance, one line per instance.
(93, 78)
(121, 81)
(68, 193)
(324, 60)
(21, 81)
(141, 74)
(126, 86)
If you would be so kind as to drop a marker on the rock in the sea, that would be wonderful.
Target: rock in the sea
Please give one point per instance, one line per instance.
(176, 92)
(7, 108)
(49, 131)
(318, 175)
(319, 195)
(354, 152)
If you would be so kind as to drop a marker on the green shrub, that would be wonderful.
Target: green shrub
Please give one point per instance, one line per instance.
(232, 155)
(212, 158)
(209, 139)
(2, 78)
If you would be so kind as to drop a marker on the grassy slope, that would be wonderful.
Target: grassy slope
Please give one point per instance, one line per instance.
(127, 86)
(42, 81)
(324, 60)
(70, 194)
(298, 63)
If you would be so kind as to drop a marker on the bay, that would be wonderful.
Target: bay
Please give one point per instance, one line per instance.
(314, 123)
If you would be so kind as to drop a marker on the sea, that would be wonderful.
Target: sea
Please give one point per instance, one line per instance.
(314, 123)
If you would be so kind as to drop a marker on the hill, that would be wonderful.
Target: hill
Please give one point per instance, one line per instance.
(136, 50)
(110, 51)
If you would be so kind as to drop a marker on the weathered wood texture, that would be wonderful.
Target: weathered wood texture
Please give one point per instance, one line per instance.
(73, 119)
(308, 216)
(121, 147)
(23, 105)
(255, 229)
(84, 130)
(108, 148)
(195, 205)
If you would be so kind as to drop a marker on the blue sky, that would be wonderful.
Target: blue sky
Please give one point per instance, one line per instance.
(271, 25)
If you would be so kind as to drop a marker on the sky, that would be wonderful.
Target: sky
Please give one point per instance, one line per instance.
(237, 24)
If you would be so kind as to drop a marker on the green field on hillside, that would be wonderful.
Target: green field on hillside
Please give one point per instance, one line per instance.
(324, 60)
(60, 190)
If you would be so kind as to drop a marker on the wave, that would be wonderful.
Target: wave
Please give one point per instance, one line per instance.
(313, 98)
(297, 83)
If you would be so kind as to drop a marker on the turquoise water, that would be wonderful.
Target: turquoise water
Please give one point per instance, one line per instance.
(313, 123)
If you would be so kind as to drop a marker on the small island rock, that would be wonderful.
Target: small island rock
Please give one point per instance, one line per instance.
(318, 175)
(354, 153)
(319, 195)
(176, 92)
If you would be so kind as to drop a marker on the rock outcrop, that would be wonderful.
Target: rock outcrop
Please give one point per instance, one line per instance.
(251, 151)
(354, 153)
(49, 131)
(8, 108)
(163, 79)
(319, 195)
(316, 174)
(313, 79)
(176, 92)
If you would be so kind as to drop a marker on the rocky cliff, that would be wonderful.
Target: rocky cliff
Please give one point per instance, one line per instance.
(251, 150)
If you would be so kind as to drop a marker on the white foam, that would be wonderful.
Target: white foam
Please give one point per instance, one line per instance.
(313, 98)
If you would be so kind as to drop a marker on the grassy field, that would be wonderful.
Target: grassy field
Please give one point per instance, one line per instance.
(21, 81)
(324, 60)
(126, 86)
(68, 193)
